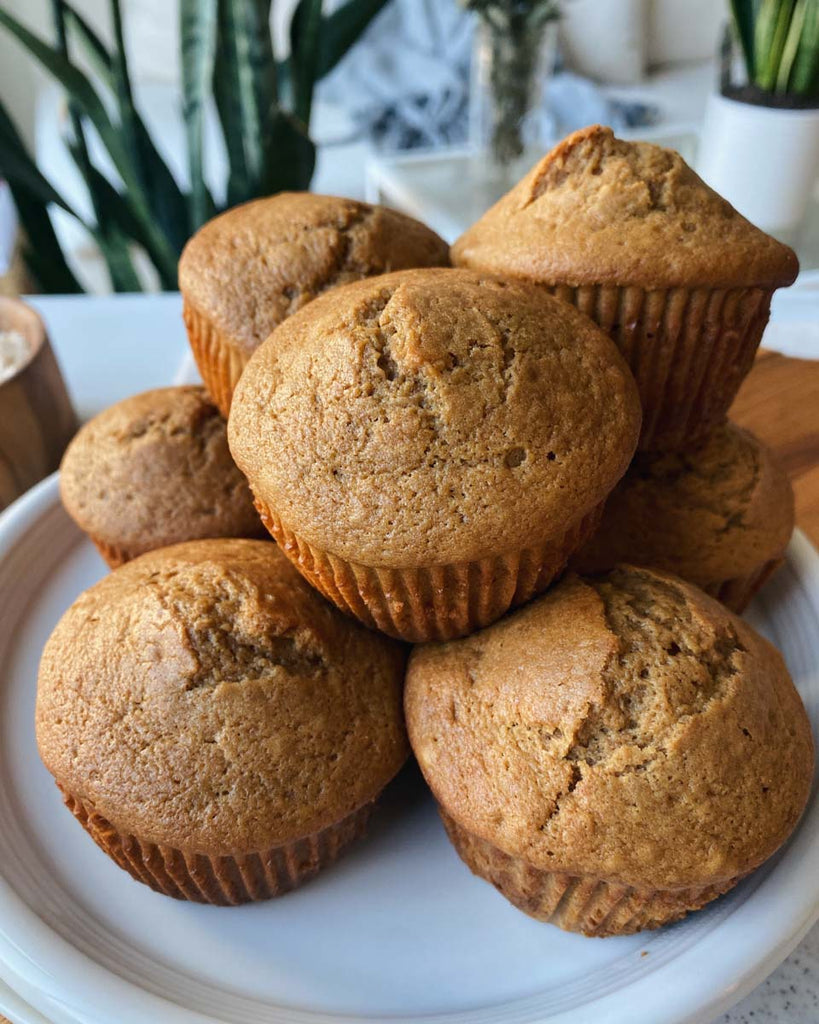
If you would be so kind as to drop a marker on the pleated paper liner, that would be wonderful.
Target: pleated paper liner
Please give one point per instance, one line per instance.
(688, 348)
(223, 881)
(576, 903)
(220, 362)
(113, 554)
(437, 603)
(737, 593)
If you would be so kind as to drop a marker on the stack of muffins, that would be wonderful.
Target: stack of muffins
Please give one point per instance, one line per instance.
(431, 447)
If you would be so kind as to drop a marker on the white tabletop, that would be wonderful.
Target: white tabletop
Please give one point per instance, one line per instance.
(145, 347)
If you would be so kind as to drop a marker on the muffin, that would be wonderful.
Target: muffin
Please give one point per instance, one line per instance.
(615, 755)
(219, 730)
(431, 446)
(250, 268)
(628, 233)
(719, 514)
(155, 470)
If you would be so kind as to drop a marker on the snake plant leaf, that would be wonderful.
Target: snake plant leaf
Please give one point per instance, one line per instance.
(94, 47)
(769, 39)
(115, 250)
(18, 168)
(292, 155)
(791, 47)
(804, 79)
(165, 198)
(31, 194)
(342, 29)
(122, 88)
(305, 41)
(743, 12)
(114, 224)
(45, 261)
(198, 22)
(88, 101)
(246, 93)
(227, 107)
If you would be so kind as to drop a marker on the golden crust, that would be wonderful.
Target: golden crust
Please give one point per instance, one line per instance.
(249, 268)
(205, 698)
(598, 210)
(627, 729)
(715, 512)
(432, 417)
(154, 470)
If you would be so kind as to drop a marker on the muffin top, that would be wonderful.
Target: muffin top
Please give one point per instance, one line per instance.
(206, 697)
(155, 469)
(598, 210)
(433, 416)
(717, 511)
(628, 728)
(251, 267)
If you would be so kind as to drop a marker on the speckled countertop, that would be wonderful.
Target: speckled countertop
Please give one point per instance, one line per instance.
(789, 996)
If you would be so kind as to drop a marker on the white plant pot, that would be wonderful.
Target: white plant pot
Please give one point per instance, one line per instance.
(763, 160)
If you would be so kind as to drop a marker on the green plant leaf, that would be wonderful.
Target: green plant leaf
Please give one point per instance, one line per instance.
(122, 86)
(305, 41)
(198, 23)
(116, 225)
(31, 193)
(804, 79)
(791, 47)
(106, 231)
(292, 156)
(246, 92)
(85, 96)
(743, 12)
(166, 200)
(115, 251)
(92, 44)
(45, 261)
(230, 112)
(18, 168)
(342, 29)
(769, 40)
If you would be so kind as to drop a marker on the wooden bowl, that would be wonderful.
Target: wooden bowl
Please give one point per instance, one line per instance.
(37, 419)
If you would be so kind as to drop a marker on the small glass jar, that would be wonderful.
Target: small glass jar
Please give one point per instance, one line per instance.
(513, 56)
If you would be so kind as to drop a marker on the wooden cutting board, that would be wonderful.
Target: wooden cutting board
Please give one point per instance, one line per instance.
(779, 402)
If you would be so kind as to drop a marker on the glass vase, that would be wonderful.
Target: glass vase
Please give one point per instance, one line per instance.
(512, 60)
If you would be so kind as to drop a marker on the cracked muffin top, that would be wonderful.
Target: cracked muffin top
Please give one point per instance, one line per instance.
(251, 267)
(154, 470)
(626, 727)
(714, 512)
(598, 210)
(206, 697)
(433, 416)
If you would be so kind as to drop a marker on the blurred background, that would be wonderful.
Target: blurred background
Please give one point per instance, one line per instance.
(124, 125)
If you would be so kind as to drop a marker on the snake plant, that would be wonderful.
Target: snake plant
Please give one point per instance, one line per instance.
(780, 45)
(263, 107)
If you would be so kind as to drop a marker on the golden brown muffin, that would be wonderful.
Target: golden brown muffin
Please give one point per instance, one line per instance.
(154, 470)
(616, 754)
(250, 268)
(429, 447)
(720, 515)
(628, 233)
(218, 728)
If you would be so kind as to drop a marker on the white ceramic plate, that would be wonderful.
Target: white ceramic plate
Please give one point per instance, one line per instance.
(398, 930)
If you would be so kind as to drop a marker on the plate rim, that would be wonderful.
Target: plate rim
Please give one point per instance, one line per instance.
(43, 979)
